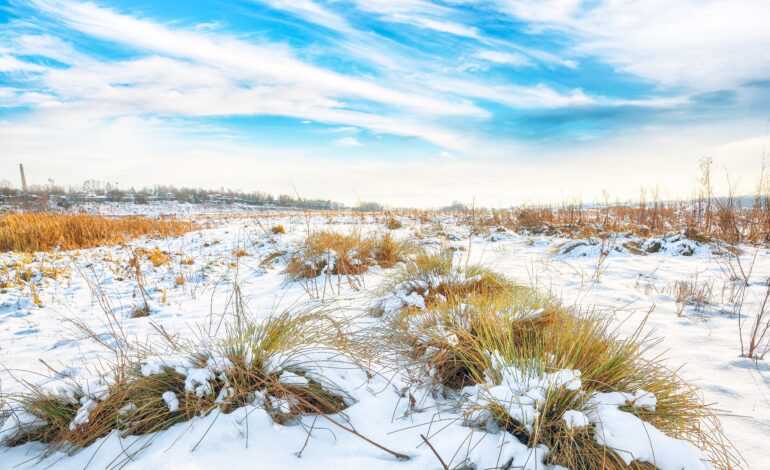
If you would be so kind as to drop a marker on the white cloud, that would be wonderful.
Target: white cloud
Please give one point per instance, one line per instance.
(423, 14)
(506, 58)
(197, 73)
(202, 73)
(537, 96)
(348, 142)
(9, 63)
(313, 12)
(695, 44)
(266, 63)
(208, 25)
(46, 45)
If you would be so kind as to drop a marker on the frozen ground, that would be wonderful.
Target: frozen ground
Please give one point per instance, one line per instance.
(37, 339)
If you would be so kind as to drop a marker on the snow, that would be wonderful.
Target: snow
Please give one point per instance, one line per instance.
(575, 419)
(171, 401)
(633, 439)
(383, 405)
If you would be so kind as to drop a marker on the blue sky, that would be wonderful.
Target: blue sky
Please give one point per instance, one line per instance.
(410, 102)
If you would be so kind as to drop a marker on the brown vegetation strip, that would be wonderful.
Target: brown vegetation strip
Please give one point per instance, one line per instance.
(46, 231)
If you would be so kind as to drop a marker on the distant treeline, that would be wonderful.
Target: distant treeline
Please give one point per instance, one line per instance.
(97, 191)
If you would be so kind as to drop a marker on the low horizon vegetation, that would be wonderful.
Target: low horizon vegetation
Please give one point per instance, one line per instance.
(43, 231)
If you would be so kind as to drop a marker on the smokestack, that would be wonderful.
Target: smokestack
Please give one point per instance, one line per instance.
(23, 178)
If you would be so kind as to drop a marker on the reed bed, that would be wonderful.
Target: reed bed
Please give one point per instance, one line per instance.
(42, 231)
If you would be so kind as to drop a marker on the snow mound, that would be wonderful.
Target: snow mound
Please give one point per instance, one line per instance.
(590, 247)
(676, 244)
(523, 397)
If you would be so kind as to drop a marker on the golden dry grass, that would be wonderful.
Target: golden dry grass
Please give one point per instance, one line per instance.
(30, 232)
(343, 254)
(155, 255)
(393, 223)
(437, 279)
(134, 404)
(464, 330)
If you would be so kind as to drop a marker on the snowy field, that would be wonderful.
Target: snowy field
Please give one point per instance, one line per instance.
(46, 344)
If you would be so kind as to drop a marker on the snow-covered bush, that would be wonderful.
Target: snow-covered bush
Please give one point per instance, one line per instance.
(555, 420)
(520, 363)
(433, 278)
(277, 364)
(339, 254)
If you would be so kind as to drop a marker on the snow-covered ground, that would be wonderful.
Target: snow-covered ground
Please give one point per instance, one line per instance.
(37, 340)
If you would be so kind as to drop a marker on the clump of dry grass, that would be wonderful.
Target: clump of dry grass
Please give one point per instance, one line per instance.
(50, 418)
(29, 232)
(698, 294)
(277, 229)
(462, 334)
(248, 364)
(136, 405)
(393, 223)
(339, 254)
(240, 253)
(387, 251)
(155, 255)
(259, 353)
(437, 279)
(272, 257)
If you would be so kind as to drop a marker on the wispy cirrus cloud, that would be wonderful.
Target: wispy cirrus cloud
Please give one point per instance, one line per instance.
(388, 80)
(347, 142)
(201, 73)
(698, 45)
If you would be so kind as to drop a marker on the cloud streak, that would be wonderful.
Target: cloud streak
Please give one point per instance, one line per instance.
(408, 80)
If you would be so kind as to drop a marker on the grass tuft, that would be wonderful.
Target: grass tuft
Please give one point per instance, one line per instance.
(393, 223)
(266, 363)
(334, 253)
(473, 320)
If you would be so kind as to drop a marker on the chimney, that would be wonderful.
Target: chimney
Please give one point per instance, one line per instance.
(23, 178)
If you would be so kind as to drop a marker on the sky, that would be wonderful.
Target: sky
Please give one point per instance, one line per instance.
(407, 102)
